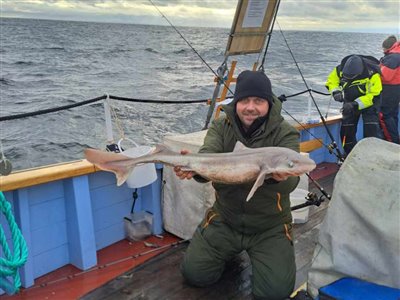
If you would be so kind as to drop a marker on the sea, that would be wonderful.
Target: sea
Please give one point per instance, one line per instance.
(46, 64)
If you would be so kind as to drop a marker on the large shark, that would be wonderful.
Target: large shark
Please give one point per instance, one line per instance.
(240, 166)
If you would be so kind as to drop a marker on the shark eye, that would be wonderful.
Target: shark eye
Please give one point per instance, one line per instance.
(290, 164)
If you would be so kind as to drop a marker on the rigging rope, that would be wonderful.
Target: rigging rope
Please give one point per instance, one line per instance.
(329, 147)
(12, 261)
(283, 97)
(194, 50)
(269, 37)
(333, 144)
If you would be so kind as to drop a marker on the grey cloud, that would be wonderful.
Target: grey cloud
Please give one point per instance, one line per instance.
(293, 14)
(341, 11)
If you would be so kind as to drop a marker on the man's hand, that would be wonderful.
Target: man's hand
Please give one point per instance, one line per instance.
(183, 174)
(350, 108)
(338, 96)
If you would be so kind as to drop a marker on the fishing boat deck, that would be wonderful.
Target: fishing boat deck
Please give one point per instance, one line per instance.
(160, 277)
(128, 270)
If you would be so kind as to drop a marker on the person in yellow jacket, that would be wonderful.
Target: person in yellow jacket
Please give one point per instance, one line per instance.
(356, 82)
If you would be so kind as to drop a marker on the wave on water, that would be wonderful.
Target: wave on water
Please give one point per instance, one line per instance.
(167, 68)
(22, 102)
(67, 145)
(24, 63)
(5, 81)
(181, 51)
(78, 117)
(119, 50)
(151, 50)
(55, 48)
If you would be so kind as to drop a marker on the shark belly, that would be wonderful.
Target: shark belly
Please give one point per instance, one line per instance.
(229, 174)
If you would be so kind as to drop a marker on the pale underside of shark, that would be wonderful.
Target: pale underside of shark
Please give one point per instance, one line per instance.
(240, 166)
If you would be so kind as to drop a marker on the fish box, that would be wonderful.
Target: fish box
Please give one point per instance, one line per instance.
(298, 196)
(138, 226)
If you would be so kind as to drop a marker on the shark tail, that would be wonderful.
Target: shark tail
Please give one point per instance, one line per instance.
(119, 164)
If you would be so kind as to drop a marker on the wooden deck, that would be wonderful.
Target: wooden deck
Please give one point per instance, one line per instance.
(160, 277)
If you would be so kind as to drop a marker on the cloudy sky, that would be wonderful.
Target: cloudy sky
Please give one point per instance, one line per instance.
(327, 15)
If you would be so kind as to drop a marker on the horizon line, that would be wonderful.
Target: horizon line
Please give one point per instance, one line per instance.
(184, 26)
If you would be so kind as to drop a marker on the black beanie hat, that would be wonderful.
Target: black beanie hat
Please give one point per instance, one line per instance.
(253, 84)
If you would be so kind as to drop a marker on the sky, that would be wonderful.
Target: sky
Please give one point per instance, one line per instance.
(321, 15)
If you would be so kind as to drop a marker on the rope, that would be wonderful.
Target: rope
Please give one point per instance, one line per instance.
(100, 267)
(117, 121)
(339, 154)
(158, 101)
(85, 102)
(283, 97)
(50, 110)
(65, 107)
(194, 50)
(269, 38)
(10, 264)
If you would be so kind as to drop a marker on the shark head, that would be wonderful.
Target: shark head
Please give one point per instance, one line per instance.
(292, 163)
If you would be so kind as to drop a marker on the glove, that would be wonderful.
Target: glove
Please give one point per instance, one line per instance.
(338, 96)
(349, 108)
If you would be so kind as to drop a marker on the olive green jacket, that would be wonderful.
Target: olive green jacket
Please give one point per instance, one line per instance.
(270, 205)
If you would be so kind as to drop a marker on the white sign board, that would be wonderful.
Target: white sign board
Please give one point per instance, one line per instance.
(255, 13)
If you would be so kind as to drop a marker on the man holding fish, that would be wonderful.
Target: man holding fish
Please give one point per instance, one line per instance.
(261, 226)
(251, 156)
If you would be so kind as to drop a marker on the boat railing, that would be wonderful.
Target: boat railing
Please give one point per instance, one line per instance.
(44, 174)
(49, 173)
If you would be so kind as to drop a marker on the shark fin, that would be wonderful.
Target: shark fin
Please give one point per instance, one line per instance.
(259, 182)
(239, 147)
(119, 164)
(123, 175)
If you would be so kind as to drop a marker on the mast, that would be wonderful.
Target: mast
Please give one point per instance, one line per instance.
(252, 24)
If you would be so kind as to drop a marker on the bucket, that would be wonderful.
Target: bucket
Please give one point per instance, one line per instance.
(142, 174)
(298, 196)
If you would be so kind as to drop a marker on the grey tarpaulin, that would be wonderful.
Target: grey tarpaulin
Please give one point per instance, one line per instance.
(360, 236)
(184, 201)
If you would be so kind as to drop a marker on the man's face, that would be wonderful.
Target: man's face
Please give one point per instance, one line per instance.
(251, 108)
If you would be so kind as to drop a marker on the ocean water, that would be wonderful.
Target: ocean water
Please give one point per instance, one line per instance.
(46, 64)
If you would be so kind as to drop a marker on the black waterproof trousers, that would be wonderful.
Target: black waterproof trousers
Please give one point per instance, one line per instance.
(348, 131)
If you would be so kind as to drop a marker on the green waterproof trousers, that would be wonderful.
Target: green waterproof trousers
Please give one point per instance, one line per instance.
(271, 254)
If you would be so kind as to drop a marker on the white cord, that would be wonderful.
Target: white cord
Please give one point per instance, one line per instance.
(117, 122)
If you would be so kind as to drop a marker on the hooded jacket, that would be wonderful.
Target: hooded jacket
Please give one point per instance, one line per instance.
(270, 205)
(390, 65)
(363, 88)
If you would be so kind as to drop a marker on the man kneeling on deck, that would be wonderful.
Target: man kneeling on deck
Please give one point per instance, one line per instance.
(262, 226)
